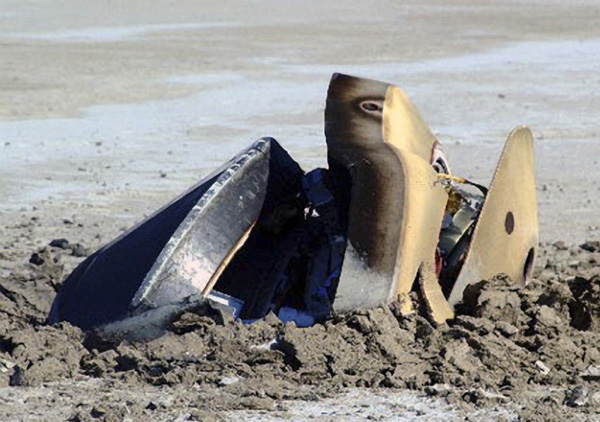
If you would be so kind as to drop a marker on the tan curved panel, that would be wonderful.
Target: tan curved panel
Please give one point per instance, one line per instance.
(501, 243)
(396, 206)
(355, 141)
(403, 126)
(425, 203)
(355, 149)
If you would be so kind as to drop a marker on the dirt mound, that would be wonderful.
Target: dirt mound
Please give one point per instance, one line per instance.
(535, 349)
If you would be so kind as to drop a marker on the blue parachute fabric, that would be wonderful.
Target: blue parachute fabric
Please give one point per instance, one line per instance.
(314, 187)
(326, 244)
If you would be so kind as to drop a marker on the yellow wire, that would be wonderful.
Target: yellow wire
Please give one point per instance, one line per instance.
(451, 177)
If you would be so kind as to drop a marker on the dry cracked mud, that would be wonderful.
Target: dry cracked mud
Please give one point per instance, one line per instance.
(533, 350)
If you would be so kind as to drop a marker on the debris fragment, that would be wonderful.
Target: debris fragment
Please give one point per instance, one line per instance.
(77, 249)
(592, 373)
(225, 381)
(36, 259)
(540, 366)
(59, 243)
(261, 236)
(591, 246)
(577, 397)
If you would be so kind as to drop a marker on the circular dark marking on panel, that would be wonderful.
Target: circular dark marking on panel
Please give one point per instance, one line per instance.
(509, 222)
(371, 106)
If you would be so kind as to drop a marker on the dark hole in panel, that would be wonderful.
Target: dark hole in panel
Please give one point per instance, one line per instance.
(528, 267)
(509, 222)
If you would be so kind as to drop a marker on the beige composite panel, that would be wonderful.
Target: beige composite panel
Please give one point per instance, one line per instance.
(353, 129)
(397, 204)
(424, 208)
(403, 126)
(424, 205)
(505, 239)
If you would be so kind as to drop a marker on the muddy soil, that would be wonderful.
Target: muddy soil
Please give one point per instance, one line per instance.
(109, 109)
(532, 350)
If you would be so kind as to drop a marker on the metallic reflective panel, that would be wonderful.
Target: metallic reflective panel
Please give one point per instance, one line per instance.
(506, 235)
(206, 236)
(256, 272)
(178, 251)
(225, 262)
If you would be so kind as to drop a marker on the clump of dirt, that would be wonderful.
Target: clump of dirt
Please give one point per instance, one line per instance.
(534, 348)
(584, 307)
(27, 291)
(44, 354)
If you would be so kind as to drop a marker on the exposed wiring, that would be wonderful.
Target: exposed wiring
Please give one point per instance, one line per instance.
(462, 180)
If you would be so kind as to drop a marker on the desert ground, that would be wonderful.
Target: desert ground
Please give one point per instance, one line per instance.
(108, 109)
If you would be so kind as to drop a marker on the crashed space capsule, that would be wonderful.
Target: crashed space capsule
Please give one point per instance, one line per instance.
(260, 235)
